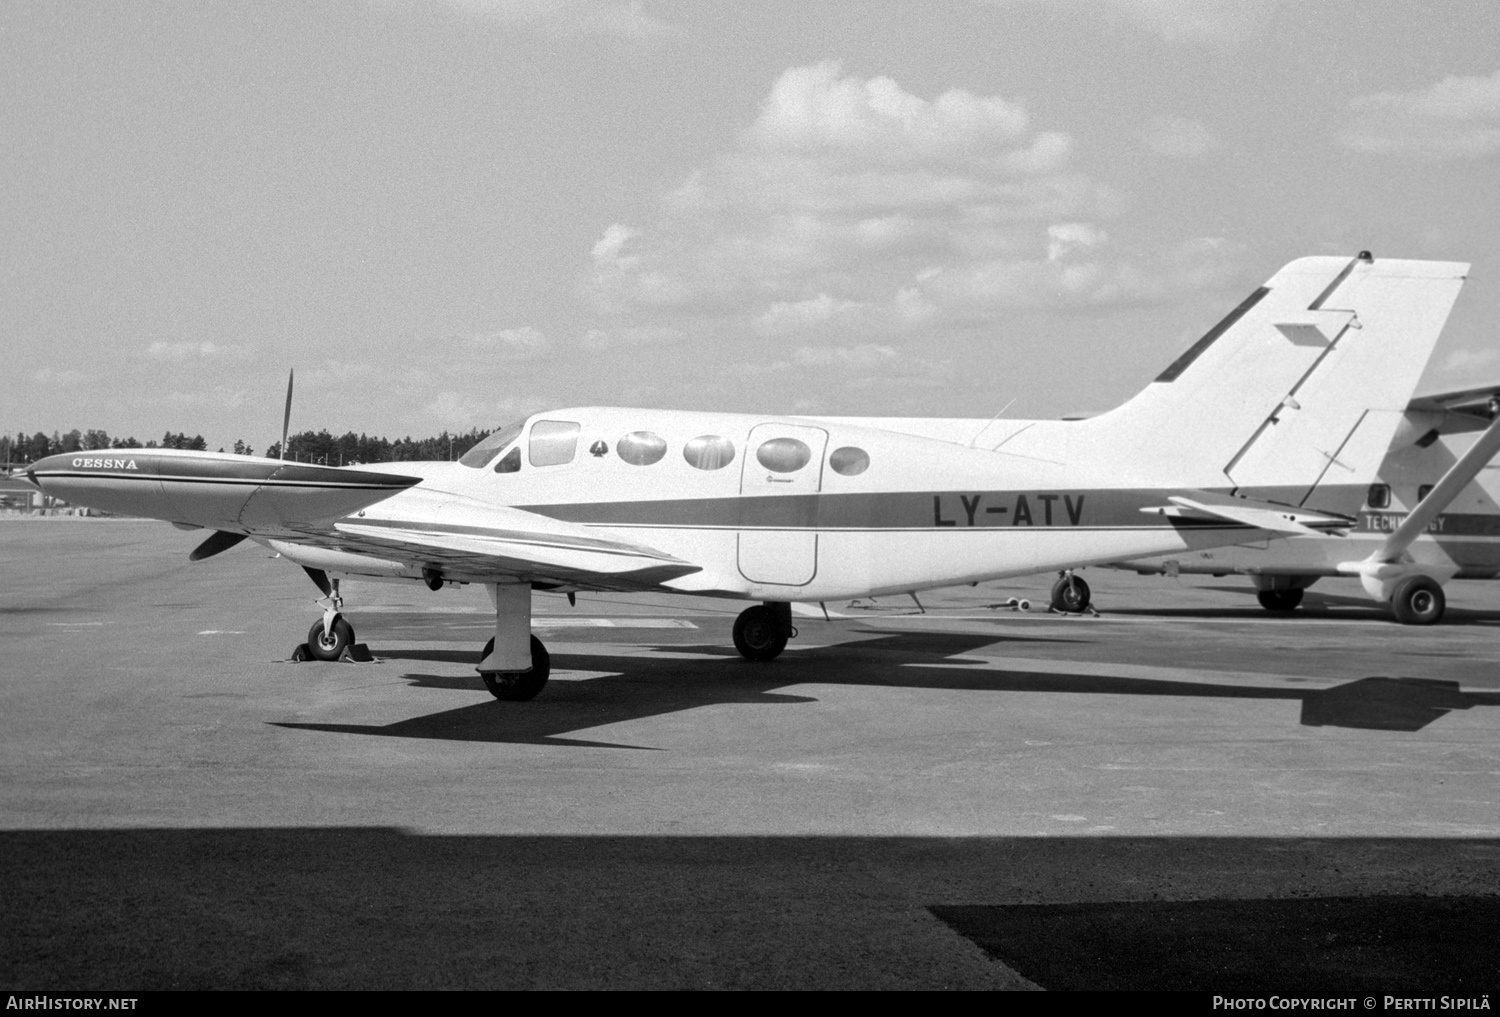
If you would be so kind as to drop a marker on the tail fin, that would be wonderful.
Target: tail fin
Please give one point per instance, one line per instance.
(1296, 395)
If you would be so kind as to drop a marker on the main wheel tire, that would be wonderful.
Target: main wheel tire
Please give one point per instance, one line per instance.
(758, 635)
(1070, 595)
(518, 686)
(1419, 600)
(1280, 601)
(329, 645)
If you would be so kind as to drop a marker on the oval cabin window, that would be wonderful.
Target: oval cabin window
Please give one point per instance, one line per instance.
(849, 461)
(783, 455)
(641, 448)
(709, 452)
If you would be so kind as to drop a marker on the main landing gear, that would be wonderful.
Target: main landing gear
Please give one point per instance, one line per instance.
(1279, 601)
(518, 686)
(1419, 600)
(1281, 594)
(761, 633)
(514, 664)
(1070, 594)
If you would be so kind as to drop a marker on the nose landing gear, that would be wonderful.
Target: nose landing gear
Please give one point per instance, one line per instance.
(331, 636)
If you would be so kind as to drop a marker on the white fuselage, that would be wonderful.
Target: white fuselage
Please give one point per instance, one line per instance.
(870, 511)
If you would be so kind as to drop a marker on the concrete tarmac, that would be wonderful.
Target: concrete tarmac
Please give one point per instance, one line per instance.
(900, 800)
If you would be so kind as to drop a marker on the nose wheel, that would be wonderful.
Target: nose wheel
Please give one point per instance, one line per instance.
(328, 642)
(518, 686)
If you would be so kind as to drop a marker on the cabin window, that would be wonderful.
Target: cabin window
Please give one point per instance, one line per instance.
(510, 462)
(553, 442)
(480, 455)
(849, 461)
(783, 455)
(1379, 496)
(641, 448)
(709, 452)
(1423, 492)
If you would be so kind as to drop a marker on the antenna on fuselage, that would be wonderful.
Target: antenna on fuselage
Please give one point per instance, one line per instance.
(286, 418)
(975, 440)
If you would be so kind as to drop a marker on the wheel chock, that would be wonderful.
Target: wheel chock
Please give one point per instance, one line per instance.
(356, 653)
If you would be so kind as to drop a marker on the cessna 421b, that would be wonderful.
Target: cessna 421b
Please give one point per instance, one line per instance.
(1275, 421)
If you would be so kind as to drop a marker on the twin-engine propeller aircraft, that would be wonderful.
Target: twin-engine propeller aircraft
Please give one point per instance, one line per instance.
(1432, 514)
(1275, 421)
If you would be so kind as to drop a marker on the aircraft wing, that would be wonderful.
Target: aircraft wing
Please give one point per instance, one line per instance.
(521, 545)
(1262, 515)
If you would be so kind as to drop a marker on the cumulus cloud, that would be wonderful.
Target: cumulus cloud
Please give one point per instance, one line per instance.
(1068, 237)
(220, 397)
(863, 355)
(791, 316)
(1465, 361)
(634, 337)
(1458, 117)
(1178, 138)
(178, 352)
(854, 203)
(65, 378)
(514, 343)
(609, 18)
(1219, 23)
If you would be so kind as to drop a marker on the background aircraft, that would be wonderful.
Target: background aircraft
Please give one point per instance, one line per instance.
(1276, 420)
(1438, 464)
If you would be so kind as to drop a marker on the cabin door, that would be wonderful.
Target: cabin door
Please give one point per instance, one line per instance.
(780, 479)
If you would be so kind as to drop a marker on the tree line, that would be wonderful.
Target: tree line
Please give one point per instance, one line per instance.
(308, 446)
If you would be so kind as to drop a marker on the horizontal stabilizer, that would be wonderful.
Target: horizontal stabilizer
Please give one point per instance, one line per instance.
(1469, 409)
(1262, 515)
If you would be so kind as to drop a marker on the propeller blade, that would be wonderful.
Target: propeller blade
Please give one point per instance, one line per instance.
(222, 540)
(320, 580)
(286, 418)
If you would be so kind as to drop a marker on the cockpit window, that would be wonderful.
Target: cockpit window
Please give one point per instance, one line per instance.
(510, 462)
(480, 455)
(553, 442)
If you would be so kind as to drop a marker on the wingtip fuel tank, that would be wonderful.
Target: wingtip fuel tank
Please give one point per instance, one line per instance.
(211, 489)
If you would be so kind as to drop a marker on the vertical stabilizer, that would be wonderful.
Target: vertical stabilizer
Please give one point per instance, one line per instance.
(1296, 395)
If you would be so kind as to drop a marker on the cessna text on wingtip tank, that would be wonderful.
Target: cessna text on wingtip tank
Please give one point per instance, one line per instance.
(1239, 435)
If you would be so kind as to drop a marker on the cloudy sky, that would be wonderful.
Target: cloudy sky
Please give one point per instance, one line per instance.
(452, 212)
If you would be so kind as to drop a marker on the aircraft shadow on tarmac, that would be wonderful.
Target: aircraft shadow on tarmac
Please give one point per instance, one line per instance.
(686, 677)
(379, 907)
(1315, 604)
